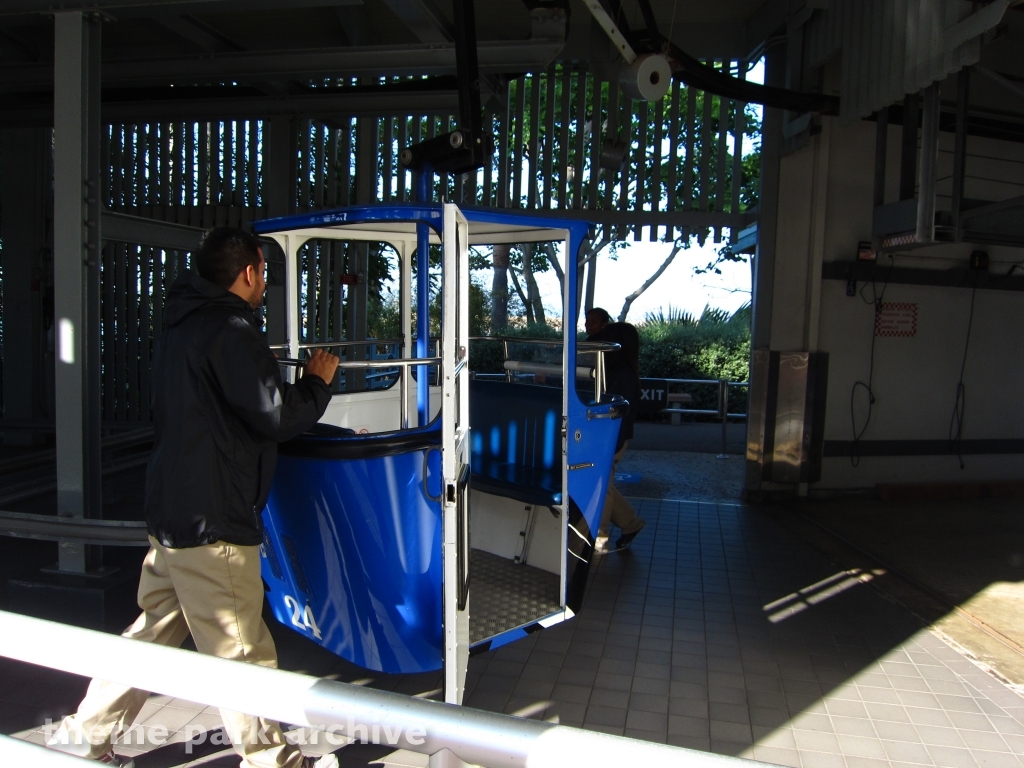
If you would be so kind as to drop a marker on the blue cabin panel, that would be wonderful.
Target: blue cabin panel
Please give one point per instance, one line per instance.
(352, 555)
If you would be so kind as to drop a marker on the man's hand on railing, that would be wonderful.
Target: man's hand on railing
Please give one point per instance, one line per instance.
(323, 365)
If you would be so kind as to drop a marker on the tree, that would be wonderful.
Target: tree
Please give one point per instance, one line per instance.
(676, 247)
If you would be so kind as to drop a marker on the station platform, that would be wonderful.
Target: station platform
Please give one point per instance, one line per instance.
(725, 628)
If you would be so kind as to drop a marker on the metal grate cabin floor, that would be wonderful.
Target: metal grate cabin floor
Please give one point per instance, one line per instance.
(504, 594)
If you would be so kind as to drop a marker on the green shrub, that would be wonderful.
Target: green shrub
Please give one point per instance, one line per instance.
(676, 345)
(488, 356)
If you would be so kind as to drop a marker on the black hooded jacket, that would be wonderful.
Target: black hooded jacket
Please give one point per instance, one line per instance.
(220, 409)
(622, 372)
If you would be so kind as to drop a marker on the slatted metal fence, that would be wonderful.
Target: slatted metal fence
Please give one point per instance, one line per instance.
(681, 174)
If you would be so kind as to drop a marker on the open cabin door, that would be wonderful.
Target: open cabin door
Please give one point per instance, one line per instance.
(455, 450)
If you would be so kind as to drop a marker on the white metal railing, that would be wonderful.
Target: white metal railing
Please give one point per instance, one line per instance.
(428, 727)
(18, 752)
(583, 348)
(402, 365)
(722, 411)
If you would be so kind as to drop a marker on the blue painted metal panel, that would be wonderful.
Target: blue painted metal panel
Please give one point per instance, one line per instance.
(431, 214)
(358, 541)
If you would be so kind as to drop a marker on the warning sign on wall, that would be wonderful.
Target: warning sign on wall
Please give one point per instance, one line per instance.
(896, 318)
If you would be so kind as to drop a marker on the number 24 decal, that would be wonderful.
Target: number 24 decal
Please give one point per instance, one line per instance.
(302, 617)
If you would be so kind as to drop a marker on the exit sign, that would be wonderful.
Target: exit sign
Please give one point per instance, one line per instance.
(653, 395)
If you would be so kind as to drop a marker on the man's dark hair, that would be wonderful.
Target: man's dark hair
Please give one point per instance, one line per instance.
(601, 313)
(224, 253)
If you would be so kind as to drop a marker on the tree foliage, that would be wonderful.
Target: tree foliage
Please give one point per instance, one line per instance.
(716, 345)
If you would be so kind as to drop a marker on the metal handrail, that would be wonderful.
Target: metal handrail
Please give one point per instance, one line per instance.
(402, 364)
(428, 727)
(597, 348)
(704, 412)
(548, 369)
(113, 533)
(699, 381)
(18, 752)
(722, 412)
(585, 346)
(332, 344)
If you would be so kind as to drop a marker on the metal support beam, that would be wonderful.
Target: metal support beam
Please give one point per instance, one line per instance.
(422, 102)
(977, 23)
(210, 40)
(927, 170)
(124, 228)
(129, 9)
(363, 61)
(1015, 88)
(881, 152)
(76, 159)
(763, 269)
(279, 154)
(359, 253)
(424, 19)
(908, 148)
(25, 159)
(963, 91)
(197, 33)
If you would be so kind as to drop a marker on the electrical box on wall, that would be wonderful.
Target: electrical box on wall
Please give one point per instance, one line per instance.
(787, 417)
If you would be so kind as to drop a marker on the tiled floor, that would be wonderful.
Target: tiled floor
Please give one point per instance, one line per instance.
(718, 631)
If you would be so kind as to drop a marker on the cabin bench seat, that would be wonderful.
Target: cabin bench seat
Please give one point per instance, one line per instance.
(515, 443)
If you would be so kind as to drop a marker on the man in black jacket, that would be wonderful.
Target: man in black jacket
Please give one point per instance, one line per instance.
(220, 409)
(622, 375)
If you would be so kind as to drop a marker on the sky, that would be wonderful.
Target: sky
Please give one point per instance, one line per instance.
(678, 287)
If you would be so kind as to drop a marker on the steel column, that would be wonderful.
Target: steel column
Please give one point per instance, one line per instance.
(359, 253)
(908, 147)
(24, 153)
(763, 267)
(927, 170)
(963, 93)
(424, 182)
(881, 152)
(76, 146)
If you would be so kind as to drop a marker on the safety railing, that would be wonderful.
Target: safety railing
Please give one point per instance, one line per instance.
(721, 411)
(381, 376)
(122, 451)
(514, 369)
(452, 736)
(402, 365)
(18, 752)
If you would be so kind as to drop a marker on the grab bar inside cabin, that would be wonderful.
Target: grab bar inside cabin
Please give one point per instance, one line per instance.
(403, 380)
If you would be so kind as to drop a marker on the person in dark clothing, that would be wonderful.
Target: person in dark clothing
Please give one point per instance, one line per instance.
(622, 377)
(595, 320)
(220, 409)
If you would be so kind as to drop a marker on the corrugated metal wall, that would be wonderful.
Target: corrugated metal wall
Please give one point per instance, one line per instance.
(889, 47)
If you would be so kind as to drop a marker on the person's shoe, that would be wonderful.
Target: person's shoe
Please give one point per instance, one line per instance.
(601, 545)
(319, 761)
(627, 538)
(118, 762)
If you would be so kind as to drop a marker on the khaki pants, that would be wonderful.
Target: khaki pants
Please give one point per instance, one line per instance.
(216, 593)
(617, 510)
